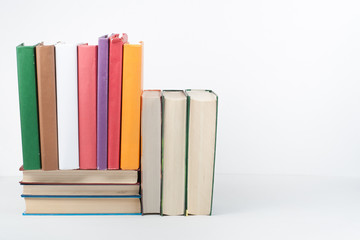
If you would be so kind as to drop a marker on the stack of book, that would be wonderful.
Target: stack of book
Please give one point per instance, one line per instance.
(95, 143)
(81, 192)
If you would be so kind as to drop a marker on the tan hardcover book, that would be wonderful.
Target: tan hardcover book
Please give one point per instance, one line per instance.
(81, 189)
(80, 177)
(91, 205)
(45, 66)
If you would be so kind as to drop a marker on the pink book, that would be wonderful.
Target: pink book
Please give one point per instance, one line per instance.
(87, 79)
(115, 79)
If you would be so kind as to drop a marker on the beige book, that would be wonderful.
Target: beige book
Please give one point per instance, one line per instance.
(80, 176)
(151, 151)
(202, 110)
(81, 190)
(81, 205)
(174, 149)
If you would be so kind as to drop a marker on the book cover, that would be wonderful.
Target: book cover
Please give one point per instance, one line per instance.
(102, 101)
(115, 79)
(45, 66)
(67, 105)
(28, 103)
(131, 102)
(202, 114)
(151, 151)
(87, 81)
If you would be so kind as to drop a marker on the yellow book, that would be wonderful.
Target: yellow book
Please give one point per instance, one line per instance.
(131, 104)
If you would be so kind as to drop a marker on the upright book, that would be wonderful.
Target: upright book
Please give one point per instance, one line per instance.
(28, 102)
(173, 153)
(45, 66)
(87, 76)
(151, 151)
(202, 121)
(102, 101)
(115, 79)
(67, 105)
(131, 96)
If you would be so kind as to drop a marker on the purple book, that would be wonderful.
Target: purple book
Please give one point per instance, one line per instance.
(102, 101)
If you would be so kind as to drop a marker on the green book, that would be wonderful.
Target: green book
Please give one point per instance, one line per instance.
(26, 67)
(202, 108)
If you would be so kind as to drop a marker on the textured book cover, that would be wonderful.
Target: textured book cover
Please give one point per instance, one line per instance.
(102, 101)
(87, 77)
(131, 97)
(45, 66)
(115, 80)
(28, 103)
(67, 105)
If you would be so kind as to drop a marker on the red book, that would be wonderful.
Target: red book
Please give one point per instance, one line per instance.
(87, 79)
(114, 115)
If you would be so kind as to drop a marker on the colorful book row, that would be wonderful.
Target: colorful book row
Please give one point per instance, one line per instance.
(78, 102)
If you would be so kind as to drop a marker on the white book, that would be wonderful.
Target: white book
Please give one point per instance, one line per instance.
(202, 118)
(67, 105)
(151, 151)
(174, 153)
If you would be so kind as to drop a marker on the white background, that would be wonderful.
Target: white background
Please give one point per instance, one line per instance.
(288, 78)
(286, 72)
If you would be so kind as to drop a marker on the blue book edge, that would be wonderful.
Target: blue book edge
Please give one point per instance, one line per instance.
(78, 214)
(79, 196)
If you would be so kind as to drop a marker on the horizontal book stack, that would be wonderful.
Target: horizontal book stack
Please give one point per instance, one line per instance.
(81, 192)
(95, 143)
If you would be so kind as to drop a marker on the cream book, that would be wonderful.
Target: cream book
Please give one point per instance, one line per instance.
(202, 122)
(67, 105)
(151, 151)
(83, 205)
(173, 153)
(80, 189)
(80, 176)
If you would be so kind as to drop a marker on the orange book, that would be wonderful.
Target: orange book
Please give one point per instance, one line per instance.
(131, 104)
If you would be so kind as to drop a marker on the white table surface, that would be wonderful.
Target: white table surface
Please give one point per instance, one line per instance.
(245, 207)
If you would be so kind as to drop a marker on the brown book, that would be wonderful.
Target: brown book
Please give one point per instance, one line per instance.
(45, 66)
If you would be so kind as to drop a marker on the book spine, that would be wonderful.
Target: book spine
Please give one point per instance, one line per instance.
(102, 101)
(131, 103)
(67, 105)
(28, 107)
(87, 72)
(45, 66)
(115, 80)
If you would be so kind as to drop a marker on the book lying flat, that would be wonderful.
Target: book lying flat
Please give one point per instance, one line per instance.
(173, 153)
(67, 105)
(26, 66)
(45, 69)
(82, 205)
(131, 104)
(202, 121)
(151, 151)
(80, 189)
(80, 176)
